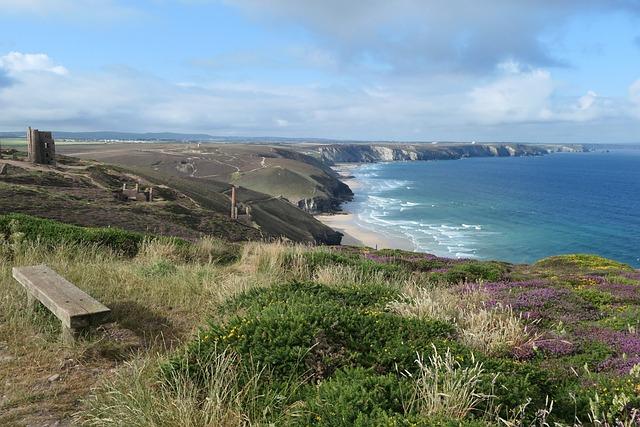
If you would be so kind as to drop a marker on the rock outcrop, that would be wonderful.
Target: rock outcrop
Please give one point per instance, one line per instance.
(369, 153)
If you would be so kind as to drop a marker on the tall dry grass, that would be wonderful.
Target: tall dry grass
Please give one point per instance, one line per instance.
(137, 396)
(224, 394)
(160, 306)
(492, 330)
(278, 261)
(443, 388)
(346, 275)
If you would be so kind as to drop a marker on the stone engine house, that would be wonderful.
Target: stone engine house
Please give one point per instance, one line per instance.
(41, 147)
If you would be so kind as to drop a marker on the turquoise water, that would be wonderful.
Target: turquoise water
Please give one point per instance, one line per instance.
(514, 209)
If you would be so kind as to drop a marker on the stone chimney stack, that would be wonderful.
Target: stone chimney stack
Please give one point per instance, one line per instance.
(234, 202)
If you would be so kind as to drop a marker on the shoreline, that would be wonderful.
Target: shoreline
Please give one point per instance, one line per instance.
(346, 223)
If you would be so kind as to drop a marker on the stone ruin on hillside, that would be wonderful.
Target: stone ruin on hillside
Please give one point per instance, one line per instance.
(239, 211)
(41, 147)
(134, 194)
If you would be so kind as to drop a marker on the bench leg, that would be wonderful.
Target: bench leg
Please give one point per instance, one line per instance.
(69, 335)
(31, 301)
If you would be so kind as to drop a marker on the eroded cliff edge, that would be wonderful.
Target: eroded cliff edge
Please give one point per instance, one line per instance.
(369, 153)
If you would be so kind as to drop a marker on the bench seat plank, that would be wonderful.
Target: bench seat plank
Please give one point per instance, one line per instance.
(72, 306)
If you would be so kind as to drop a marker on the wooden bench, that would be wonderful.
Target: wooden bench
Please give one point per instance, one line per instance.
(75, 309)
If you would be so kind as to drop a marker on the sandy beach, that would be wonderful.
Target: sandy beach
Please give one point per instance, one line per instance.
(346, 223)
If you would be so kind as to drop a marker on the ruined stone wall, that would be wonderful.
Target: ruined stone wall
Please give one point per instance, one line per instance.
(41, 147)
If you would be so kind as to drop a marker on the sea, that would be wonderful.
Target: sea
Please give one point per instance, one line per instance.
(517, 209)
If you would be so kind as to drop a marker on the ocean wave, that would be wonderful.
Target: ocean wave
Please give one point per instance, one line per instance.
(477, 227)
(379, 213)
(451, 240)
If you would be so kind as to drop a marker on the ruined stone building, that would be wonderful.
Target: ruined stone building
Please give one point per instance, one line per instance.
(134, 194)
(41, 147)
(239, 211)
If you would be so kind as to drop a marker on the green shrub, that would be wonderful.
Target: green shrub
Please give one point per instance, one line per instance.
(53, 233)
(319, 258)
(472, 271)
(608, 400)
(313, 329)
(595, 297)
(583, 262)
(514, 383)
(356, 396)
(591, 353)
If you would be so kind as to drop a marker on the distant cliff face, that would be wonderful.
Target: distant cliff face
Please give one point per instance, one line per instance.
(368, 153)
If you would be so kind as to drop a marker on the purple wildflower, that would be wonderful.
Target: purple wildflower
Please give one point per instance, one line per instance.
(555, 346)
(536, 298)
(633, 275)
(621, 365)
(622, 292)
(622, 342)
(549, 345)
(523, 352)
(378, 258)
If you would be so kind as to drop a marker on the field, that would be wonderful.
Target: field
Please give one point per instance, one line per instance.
(13, 142)
(22, 142)
(214, 333)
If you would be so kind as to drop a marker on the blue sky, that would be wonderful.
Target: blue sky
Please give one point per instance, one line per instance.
(496, 70)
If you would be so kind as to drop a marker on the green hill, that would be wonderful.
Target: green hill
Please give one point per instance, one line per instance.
(82, 192)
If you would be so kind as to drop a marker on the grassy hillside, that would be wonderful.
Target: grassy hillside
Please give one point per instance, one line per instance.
(81, 192)
(277, 171)
(213, 333)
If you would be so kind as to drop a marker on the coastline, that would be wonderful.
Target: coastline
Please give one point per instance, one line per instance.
(346, 221)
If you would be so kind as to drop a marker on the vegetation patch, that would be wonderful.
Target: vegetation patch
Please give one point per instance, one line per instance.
(583, 262)
(314, 329)
(215, 333)
(54, 233)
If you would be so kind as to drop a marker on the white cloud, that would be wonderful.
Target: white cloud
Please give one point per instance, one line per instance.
(634, 92)
(587, 101)
(634, 96)
(414, 36)
(16, 62)
(122, 99)
(515, 96)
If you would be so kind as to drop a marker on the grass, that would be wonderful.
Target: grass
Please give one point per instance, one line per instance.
(217, 333)
(584, 262)
(444, 388)
(49, 232)
(12, 142)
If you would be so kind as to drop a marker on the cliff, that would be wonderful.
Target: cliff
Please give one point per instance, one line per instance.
(368, 153)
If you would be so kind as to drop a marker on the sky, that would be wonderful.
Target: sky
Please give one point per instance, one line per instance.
(562, 71)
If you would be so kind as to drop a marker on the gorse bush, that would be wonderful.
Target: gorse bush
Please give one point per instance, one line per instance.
(314, 329)
(53, 233)
(378, 398)
(472, 271)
